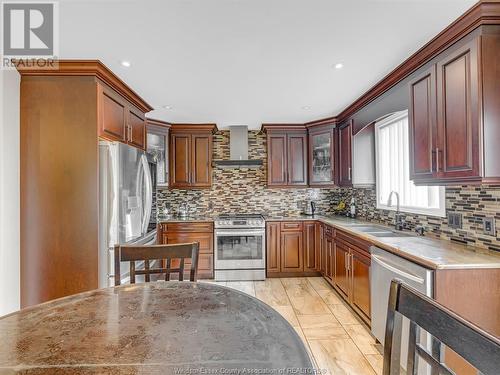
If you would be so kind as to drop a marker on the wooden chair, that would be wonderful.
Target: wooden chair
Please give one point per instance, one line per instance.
(445, 328)
(164, 253)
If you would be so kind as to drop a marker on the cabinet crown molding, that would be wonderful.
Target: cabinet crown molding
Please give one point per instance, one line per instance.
(84, 68)
(163, 124)
(193, 127)
(282, 127)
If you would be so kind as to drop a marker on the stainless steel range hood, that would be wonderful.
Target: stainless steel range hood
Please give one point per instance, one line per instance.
(238, 146)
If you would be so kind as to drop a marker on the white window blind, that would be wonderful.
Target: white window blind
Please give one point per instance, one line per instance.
(393, 170)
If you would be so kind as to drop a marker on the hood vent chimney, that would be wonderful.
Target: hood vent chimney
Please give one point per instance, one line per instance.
(238, 145)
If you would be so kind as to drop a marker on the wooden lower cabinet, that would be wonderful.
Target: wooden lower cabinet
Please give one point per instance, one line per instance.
(292, 251)
(341, 276)
(322, 249)
(202, 232)
(310, 248)
(291, 248)
(329, 265)
(273, 248)
(345, 263)
(352, 272)
(360, 282)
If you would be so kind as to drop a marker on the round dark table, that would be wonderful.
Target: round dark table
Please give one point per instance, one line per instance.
(152, 328)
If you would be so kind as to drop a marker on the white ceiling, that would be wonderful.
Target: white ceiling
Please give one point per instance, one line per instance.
(251, 61)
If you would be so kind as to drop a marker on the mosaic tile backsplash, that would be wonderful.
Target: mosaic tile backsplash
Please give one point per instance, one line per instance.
(244, 191)
(473, 202)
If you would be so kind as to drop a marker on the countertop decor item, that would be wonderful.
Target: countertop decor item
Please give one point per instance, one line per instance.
(157, 328)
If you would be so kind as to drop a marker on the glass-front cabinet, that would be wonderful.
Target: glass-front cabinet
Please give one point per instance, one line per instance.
(322, 156)
(157, 149)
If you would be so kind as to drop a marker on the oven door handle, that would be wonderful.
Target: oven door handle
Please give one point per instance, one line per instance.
(239, 232)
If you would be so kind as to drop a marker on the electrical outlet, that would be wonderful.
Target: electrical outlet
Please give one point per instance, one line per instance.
(455, 220)
(489, 226)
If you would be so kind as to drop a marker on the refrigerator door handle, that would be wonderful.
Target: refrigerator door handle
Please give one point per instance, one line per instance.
(149, 194)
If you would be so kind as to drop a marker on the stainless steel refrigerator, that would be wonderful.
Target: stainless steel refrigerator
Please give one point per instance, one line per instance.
(126, 190)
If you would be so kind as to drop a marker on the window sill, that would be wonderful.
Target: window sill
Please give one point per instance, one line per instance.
(437, 212)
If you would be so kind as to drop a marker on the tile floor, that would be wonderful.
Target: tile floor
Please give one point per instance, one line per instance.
(337, 339)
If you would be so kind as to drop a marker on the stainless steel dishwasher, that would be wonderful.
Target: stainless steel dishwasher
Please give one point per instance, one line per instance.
(384, 268)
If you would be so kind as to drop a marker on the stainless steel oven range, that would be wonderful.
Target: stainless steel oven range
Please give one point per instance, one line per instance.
(240, 247)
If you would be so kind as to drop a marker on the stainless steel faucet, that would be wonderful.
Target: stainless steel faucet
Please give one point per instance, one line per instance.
(399, 222)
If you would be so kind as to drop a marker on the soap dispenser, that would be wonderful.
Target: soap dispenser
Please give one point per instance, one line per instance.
(352, 211)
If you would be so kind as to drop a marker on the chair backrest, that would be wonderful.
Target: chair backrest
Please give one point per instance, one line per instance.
(445, 328)
(163, 253)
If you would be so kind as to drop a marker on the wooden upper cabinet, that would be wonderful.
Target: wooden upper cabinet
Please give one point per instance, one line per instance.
(137, 128)
(345, 155)
(119, 120)
(322, 156)
(286, 155)
(112, 115)
(422, 125)
(452, 117)
(297, 159)
(191, 155)
(157, 145)
(180, 160)
(277, 160)
(201, 175)
(458, 116)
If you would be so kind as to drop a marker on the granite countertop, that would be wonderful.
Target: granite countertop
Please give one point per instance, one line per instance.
(192, 218)
(428, 252)
(151, 328)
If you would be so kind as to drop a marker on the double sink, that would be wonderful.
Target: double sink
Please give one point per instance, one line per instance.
(377, 231)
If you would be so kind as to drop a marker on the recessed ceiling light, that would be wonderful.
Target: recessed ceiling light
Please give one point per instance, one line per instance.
(306, 107)
(167, 107)
(126, 63)
(339, 66)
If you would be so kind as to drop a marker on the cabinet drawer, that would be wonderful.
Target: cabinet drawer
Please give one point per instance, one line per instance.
(291, 226)
(205, 240)
(351, 240)
(188, 227)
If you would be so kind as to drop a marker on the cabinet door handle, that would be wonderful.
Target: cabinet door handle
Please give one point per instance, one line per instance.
(437, 159)
(433, 161)
(130, 131)
(349, 172)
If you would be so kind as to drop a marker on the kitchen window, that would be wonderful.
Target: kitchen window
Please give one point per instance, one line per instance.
(393, 170)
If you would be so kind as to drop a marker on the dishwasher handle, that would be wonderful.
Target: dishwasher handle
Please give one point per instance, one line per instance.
(398, 271)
